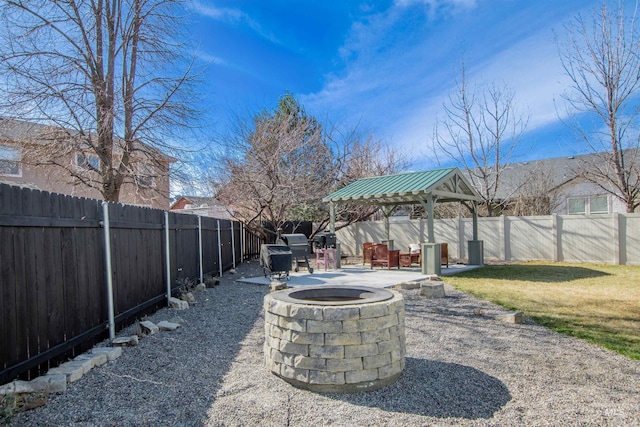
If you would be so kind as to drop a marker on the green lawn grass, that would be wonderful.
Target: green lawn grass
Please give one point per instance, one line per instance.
(598, 303)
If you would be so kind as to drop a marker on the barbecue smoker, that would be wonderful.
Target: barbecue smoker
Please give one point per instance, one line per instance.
(324, 240)
(299, 246)
(275, 260)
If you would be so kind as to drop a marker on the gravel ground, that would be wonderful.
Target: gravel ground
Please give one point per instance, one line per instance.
(463, 368)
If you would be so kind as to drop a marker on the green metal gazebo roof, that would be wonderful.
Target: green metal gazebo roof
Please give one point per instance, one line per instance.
(406, 188)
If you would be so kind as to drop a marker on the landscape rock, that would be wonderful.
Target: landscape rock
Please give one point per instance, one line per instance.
(148, 327)
(96, 359)
(278, 285)
(71, 372)
(168, 326)
(408, 285)
(129, 341)
(49, 383)
(512, 317)
(112, 353)
(178, 304)
(432, 289)
(200, 287)
(188, 297)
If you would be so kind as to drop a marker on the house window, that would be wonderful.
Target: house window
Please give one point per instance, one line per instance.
(87, 161)
(599, 205)
(10, 161)
(588, 205)
(577, 205)
(145, 177)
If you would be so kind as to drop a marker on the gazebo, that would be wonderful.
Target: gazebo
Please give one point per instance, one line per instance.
(424, 188)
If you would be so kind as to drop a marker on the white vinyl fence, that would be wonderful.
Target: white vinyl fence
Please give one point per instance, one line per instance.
(610, 239)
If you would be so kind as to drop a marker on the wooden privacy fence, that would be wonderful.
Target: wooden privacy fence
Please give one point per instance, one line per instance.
(606, 238)
(56, 296)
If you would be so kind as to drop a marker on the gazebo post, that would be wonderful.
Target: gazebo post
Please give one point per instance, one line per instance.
(475, 220)
(428, 207)
(332, 217)
(387, 213)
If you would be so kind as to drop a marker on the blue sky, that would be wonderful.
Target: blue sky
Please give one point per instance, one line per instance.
(387, 65)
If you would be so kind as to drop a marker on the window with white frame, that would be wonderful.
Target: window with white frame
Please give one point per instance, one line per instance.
(588, 205)
(577, 205)
(10, 158)
(87, 161)
(599, 205)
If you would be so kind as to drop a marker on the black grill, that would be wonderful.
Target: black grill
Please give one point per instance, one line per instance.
(275, 260)
(324, 240)
(299, 246)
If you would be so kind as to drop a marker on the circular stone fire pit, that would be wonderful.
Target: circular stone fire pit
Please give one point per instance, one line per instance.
(335, 339)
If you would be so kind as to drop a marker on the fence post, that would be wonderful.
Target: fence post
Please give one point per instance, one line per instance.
(242, 243)
(167, 260)
(219, 250)
(108, 269)
(200, 247)
(616, 239)
(233, 244)
(555, 237)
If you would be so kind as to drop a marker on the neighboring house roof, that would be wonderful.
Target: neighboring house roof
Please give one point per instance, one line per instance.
(34, 133)
(557, 172)
(406, 188)
(207, 206)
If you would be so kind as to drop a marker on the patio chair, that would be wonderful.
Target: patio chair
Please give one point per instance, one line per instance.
(381, 255)
(366, 252)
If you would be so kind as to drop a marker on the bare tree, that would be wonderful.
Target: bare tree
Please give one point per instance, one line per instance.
(108, 75)
(538, 193)
(276, 168)
(602, 59)
(279, 167)
(480, 132)
(357, 154)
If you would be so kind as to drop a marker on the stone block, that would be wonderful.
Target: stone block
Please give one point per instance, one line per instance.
(149, 328)
(329, 326)
(513, 317)
(97, 359)
(72, 373)
(324, 377)
(432, 290)
(353, 338)
(289, 347)
(85, 364)
(376, 361)
(276, 307)
(344, 365)
(351, 351)
(17, 386)
(388, 346)
(125, 341)
(370, 325)
(277, 355)
(341, 313)
(294, 373)
(327, 351)
(376, 336)
(354, 377)
(277, 285)
(292, 324)
(271, 318)
(112, 352)
(305, 338)
(304, 362)
(408, 285)
(178, 304)
(53, 383)
(274, 330)
(305, 312)
(390, 370)
(168, 326)
(368, 311)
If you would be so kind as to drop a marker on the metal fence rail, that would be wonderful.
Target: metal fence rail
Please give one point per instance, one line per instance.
(58, 254)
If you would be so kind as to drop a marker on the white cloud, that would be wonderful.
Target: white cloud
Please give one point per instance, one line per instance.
(232, 16)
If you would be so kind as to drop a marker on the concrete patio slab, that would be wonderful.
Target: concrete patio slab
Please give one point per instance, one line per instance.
(358, 275)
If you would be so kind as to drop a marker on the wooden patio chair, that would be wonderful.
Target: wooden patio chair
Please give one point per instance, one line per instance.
(381, 255)
(366, 252)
